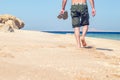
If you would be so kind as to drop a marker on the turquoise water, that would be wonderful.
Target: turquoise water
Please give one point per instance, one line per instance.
(106, 35)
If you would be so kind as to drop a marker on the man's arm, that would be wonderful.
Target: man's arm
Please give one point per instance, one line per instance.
(63, 6)
(93, 7)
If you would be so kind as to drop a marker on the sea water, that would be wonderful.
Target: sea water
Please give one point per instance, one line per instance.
(105, 35)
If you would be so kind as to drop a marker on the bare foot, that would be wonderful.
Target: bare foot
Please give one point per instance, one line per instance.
(83, 42)
(78, 46)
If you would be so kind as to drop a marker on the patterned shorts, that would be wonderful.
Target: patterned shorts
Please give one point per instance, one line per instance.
(80, 15)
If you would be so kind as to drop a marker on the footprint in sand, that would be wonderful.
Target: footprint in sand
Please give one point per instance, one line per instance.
(114, 61)
(61, 46)
(6, 55)
(116, 75)
(82, 78)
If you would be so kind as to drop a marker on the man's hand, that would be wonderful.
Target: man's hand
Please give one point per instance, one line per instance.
(62, 11)
(93, 12)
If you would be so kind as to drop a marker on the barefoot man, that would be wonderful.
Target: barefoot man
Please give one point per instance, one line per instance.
(80, 17)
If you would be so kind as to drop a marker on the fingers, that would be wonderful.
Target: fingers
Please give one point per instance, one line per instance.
(93, 12)
(62, 11)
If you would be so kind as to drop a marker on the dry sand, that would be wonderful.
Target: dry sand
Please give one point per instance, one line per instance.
(32, 55)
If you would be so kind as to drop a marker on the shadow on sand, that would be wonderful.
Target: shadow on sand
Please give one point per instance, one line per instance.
(89, 47)
(104, 49)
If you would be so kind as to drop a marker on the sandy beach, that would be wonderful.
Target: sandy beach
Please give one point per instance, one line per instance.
(33, 55)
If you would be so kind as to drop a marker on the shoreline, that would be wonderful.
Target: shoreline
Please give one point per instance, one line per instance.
(104, 35)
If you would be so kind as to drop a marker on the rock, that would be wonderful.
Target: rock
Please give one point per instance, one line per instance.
(9, 23)
(6, 28)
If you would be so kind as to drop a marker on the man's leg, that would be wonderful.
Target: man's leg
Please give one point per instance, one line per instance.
(85, 29)
(77, 36)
